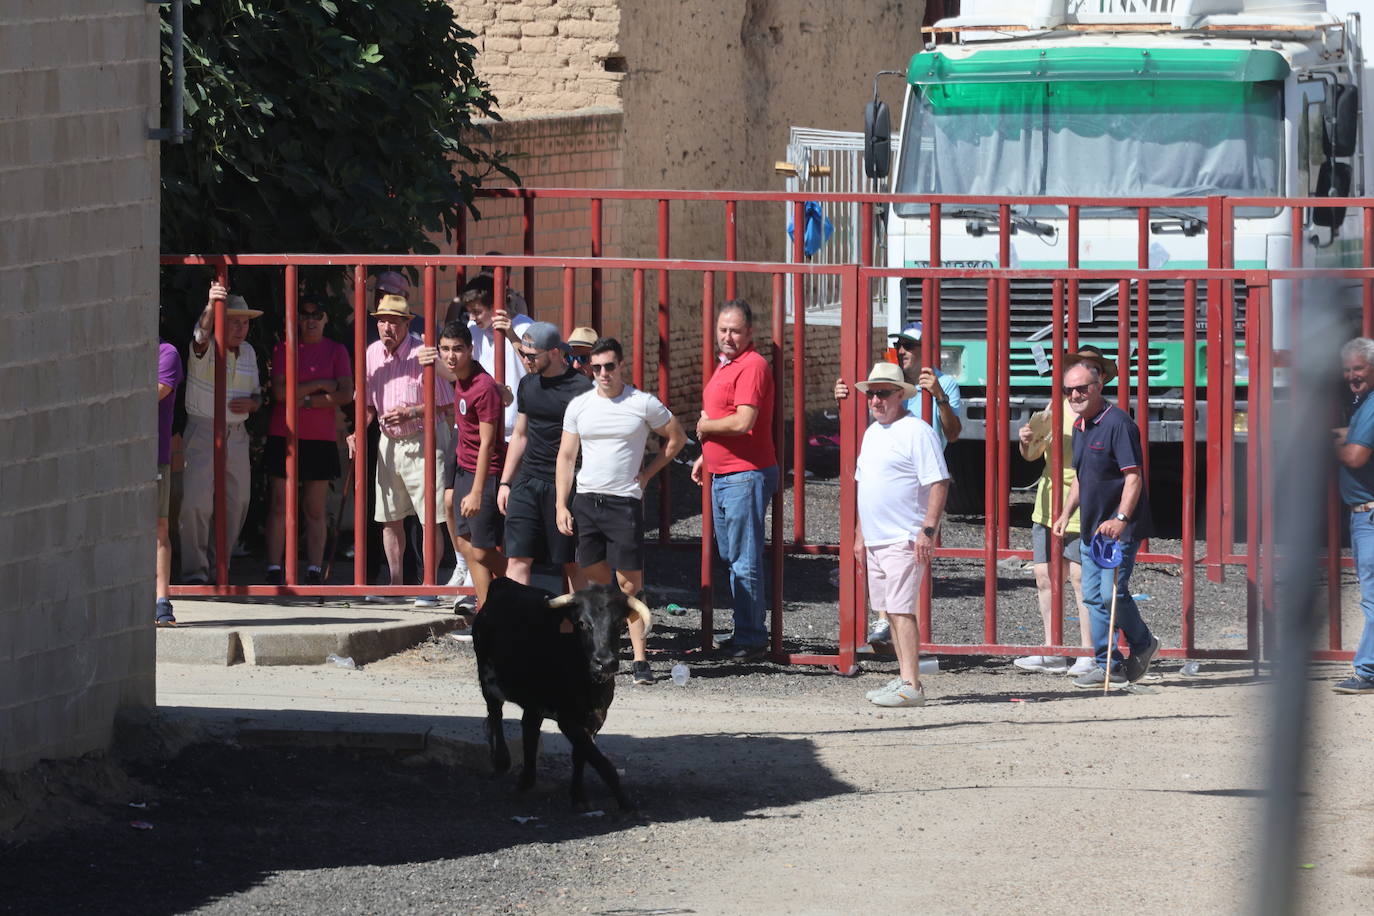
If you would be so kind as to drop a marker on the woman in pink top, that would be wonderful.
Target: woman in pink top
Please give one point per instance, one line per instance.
(324, 381)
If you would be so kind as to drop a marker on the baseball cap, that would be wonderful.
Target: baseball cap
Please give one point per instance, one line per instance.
(544, 336)
(911, 332)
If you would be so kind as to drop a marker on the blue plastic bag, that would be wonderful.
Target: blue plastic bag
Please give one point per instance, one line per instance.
(818, 228)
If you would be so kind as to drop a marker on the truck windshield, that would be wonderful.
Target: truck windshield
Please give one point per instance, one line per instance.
(1147, 138)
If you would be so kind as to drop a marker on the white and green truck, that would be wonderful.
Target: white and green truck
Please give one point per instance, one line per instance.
(1118, 99)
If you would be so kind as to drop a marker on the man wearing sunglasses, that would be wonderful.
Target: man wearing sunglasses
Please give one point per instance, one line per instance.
(903, 483)
(580, 343)
(1109, 492)
(324, 382)
(527, 495)
(610, 425)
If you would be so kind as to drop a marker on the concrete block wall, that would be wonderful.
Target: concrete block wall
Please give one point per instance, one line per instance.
(78, 353)
(546, 56)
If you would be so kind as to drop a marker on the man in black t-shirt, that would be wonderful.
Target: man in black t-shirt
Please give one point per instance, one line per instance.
(1109, 491)
(527, 493)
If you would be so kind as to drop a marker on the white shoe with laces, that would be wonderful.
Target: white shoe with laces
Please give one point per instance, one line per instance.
(1044, 664)
(1082, 666)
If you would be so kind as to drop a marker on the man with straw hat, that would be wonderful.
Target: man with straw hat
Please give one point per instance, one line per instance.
(903, 483)
(242, 396)
(1109, 492)
(395, 399)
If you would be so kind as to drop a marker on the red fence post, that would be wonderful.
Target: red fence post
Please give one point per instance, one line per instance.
(292, 545)
(1188, 551)
(990, 443)
(798, 380)
(360, 481)
(1256, 427)
(777, 539)
(222, 545)
(431, 431)
(597, 251)
(732, 253)
(853, 412)
(569, 301)
(637, 313)
(665, 496)
(708, 363)
(1055, 457)
(527, 226)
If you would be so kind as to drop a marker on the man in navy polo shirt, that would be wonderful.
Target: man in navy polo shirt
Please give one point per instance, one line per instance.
(1354, 446)
(1109, 491)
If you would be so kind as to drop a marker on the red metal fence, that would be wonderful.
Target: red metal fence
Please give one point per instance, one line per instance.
(1208, 295)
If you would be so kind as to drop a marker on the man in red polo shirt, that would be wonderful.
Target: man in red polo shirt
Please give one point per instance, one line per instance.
(735, 432)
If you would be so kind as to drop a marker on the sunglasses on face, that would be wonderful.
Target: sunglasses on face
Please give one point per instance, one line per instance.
(598, 368)
(882, 395)
(1085, 390)
(310, 316)
(529, 355)
(911, 345)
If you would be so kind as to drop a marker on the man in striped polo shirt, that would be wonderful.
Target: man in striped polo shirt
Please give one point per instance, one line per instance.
(242, 396)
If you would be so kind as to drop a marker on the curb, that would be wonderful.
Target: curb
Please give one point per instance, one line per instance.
(304, 646)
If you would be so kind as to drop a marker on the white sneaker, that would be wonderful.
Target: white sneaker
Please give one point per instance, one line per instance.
(886, 688)
(461, 577)
(905, 695)
(1082, 666)
(1044, 664)
(426, 601)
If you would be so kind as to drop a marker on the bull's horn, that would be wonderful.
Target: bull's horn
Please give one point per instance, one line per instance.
(641, 611)
(562, 600)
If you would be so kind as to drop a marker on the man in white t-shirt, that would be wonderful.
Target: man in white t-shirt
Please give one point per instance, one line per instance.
(903, 483)
(610, 425)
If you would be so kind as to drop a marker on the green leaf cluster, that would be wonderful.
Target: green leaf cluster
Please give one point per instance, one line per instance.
(322, 126)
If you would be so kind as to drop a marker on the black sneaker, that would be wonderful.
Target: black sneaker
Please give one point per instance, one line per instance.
(1138, 664)
(1094, 678)
(1355, 684)
(642, 673)
(164, 616)
(745, 653)
(274, 576)
(314, 576)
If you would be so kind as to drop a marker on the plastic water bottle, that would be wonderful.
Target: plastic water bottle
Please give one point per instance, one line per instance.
(341, 662)
(1190, 668)
(930, 665)
(675, 610)
(680, 674)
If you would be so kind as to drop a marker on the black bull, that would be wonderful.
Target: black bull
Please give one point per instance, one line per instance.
(556, 659)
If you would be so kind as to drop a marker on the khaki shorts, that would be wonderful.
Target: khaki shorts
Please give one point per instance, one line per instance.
(401, 478)
(894, 578)
(164, 490)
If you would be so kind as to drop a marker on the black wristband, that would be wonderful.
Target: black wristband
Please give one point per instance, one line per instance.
(504, 483)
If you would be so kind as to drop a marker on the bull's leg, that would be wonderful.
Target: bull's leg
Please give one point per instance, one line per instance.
(529, 737)
(584, 748)
(496, 737)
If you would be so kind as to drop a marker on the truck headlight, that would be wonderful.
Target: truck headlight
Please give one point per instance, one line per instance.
(952, 361)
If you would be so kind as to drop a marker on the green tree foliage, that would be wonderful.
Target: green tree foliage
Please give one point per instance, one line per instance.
(322, 126)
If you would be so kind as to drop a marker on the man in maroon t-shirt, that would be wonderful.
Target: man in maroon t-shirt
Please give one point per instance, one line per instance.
(475, 465)
(736, 436)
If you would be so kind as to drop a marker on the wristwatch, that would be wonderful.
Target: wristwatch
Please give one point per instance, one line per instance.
(928, 531)
(942, 401)
(1120, 517)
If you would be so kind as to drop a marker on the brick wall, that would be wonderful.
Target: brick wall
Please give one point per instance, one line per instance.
(575, 151)
(78, 342)
(546, 56)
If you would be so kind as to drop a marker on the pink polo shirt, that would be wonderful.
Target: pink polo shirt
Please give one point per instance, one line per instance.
(396, 380)
(743, 380)
(324, 359)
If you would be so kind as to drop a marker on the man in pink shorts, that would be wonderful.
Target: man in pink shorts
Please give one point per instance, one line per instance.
(903, 483)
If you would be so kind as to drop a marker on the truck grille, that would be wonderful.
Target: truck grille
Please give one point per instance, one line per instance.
(964, 307)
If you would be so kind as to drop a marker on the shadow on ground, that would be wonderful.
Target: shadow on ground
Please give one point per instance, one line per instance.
(227, 818)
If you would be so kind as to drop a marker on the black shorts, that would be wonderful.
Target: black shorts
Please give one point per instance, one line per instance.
(609, 528)
(483, 529)
(319, 460)
(532, 523)
(450, 469)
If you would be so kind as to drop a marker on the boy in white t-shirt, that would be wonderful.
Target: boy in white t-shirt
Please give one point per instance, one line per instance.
(610, 425)
(903, 483)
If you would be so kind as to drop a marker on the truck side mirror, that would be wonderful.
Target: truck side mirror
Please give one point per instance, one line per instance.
(877, 139)
(1345, 122)
(1332, 181)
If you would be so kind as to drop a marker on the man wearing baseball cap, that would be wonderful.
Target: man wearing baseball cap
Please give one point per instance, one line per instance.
(242, 396)
(527, 494)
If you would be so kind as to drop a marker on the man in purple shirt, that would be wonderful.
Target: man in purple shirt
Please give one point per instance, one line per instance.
(169, 376)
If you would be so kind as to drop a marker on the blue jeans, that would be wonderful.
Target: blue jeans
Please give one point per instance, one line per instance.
(1362, 546)
(738, 503)
(1097, 595)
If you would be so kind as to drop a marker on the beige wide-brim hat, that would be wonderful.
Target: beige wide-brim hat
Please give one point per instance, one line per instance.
(237, 307)
(393, 306)
(888, 374)
(1087, 353)
(582, 337)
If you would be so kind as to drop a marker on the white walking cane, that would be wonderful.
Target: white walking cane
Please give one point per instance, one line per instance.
(1106, 553)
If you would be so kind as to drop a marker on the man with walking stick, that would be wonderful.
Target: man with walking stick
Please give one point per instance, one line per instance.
(1109, 490)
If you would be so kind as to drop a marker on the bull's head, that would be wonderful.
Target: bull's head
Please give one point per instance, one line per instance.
(597, 614)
